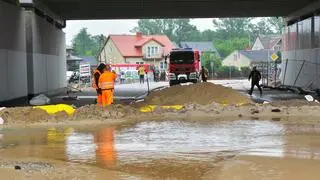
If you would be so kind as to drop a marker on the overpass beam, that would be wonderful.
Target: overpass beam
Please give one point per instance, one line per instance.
(42, 10)
(303, 13)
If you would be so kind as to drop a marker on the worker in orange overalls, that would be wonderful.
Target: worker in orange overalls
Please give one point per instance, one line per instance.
(106, 153)
(95, 81)
(106, 84)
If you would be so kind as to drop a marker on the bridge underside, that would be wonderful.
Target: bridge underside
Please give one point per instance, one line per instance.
(129, 9)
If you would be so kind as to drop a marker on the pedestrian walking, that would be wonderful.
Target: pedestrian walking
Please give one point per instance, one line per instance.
(122, 77)
(106, 84)
(95, 83)
(255, 77)
(141, 72)
(204, 74)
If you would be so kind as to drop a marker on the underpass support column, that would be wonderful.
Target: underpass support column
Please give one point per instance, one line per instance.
(29, 49)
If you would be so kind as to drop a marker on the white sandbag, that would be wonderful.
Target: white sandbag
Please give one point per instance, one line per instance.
(40, 100)
(266, 102)
(309, 98)
(1, 121)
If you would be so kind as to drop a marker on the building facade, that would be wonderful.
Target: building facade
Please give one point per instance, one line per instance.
(136, 49)
(301, 54)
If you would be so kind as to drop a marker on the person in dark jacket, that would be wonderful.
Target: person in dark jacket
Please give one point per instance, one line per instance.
(100, 69)
(255, 77)
(204, 74)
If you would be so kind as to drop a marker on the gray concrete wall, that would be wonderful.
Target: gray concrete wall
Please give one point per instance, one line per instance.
(32, 54)
(307, 62)
(48, 55)
(13, 66)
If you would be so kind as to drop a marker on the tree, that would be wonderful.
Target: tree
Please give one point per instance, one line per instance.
(226, 47)
(277, 24)
(99, 41)
(176, 29)
(232, 27)
(262, 27)
(86, 45)
(209, 57)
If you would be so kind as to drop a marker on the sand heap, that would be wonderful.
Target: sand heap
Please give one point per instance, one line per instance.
(23, 115)
(201, 93)
(113, 112)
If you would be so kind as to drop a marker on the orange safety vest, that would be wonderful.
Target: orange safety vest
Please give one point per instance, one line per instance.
(106, 80)
(94, 84)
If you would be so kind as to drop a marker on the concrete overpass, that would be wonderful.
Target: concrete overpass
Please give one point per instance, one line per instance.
(32, 44)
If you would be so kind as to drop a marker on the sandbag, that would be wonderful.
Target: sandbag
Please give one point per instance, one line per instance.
(40, 100)
(52, 109)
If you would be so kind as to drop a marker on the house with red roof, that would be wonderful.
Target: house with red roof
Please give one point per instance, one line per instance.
(136, 49)
(270, 42)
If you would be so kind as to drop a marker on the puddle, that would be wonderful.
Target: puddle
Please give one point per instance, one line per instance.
(149, 144)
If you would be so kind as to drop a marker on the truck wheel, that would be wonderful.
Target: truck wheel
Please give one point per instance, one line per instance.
(172, 83)
(195, 81)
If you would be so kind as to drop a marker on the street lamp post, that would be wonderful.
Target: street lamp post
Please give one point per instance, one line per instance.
(212, 64)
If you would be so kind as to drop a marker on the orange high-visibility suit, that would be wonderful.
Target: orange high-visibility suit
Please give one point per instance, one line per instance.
(106, 83)
(106, 153)
(95, 85)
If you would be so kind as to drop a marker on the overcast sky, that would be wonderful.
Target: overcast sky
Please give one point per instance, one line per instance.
(107, 27)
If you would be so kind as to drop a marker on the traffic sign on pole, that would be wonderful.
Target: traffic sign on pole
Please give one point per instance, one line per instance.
(274, 56)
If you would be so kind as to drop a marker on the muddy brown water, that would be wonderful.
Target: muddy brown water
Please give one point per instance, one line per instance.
(178, 150)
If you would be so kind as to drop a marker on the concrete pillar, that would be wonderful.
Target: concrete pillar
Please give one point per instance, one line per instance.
(46, 55)
(13, 63)
(32, 54)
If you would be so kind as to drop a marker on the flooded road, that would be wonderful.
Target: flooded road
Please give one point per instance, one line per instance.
(177, 150)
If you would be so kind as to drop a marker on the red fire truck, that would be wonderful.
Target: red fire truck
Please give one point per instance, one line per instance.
(184, 66)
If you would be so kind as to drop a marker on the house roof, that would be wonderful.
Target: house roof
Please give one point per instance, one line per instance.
(73, 58)
(257, 56)
(127, 44)
(90, 60)
(146, 40)
(201, 46)
(269, 41)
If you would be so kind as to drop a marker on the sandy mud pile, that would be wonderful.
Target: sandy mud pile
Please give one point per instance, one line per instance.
(294, 103)
(29, 115)
(113, 111)
(201, 93)
(22, 115)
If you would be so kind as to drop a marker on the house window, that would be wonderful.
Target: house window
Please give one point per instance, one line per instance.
(149, 52)
(152, 51)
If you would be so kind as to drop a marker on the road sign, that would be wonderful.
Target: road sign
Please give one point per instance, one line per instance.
(274, 56)
(85, 70)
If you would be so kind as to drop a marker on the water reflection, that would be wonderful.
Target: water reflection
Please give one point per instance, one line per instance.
(80, 147)
(193, 140)
(150, 141)
(106, 153)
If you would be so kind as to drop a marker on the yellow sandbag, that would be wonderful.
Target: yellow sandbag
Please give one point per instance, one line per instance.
(176, 107)
(146, 109)
(52, 109)
(151, 108)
